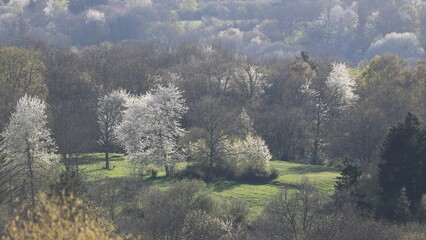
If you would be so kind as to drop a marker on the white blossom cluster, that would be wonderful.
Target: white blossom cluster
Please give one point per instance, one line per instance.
(95, 16)
(151, 126)
(26, 137)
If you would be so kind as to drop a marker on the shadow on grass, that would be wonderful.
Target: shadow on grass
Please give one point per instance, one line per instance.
(84, 171)
(223, 185)
(286, 185)
(308, 169)
(98, 158)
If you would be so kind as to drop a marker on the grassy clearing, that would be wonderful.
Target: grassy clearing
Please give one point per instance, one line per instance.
(292, 173)
(93, 166)
(256, 195)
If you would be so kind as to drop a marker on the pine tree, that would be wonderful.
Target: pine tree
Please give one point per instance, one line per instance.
(402, 210)
(345, 186)
(3, 174)
(403, 155)
(69, 182)
(10, 183)
(348, 178)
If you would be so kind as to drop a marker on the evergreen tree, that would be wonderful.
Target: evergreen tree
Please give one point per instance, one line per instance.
(3, 174)
(403, 156)
(69, 182)
(346, 183)
(402, 211)
(348, 178)
(10, 183)
(304, 56)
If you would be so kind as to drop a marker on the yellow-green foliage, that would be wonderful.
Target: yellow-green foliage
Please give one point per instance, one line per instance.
(58, 218)
(21, 72)
(200, 225)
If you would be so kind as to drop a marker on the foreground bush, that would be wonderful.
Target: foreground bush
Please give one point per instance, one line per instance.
(164, 212)
(58, 218)
(290, 214)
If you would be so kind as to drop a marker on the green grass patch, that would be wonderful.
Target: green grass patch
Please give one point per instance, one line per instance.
(292, 173)
(93, 166)
(256, 195)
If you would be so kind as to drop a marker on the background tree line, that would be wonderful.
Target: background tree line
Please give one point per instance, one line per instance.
(314, 111)
(347, 30)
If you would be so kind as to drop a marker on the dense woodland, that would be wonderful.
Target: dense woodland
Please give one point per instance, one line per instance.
(223, 87)
(342, 29)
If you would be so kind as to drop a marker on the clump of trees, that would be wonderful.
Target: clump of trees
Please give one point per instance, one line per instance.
(151, 128)
(402, 171)
(291, 214)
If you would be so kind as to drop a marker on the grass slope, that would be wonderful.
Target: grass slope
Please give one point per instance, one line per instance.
(256, 195)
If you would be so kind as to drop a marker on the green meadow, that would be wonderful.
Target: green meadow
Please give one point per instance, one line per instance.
(254, 194)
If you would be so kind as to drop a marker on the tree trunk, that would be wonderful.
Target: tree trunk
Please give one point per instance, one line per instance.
(106, 157)
(66, 162)
(166, 167)
(107, 145)
(315, 160)
(211, 163)
(11, 196)
(76, 162)
(31, 173)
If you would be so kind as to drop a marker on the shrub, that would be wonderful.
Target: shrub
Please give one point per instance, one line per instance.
(242, 159)
(164, 211)
(237, 211)
(201, 226)
(248, 158)
(193, 172)
(58, 218)
(349, 224)
(69, 182)
(291, 214)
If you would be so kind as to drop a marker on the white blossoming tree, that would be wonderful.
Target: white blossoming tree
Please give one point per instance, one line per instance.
(250, 83)
(110, 113)
(341, 80)
(402, 44)
(27, 143)
(151, 127)
(55, 6)
(248, 156)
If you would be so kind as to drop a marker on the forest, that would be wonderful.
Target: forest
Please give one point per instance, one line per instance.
(209, 119)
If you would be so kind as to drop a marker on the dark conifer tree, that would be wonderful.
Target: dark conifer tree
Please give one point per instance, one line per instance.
(10, 185)
(69, 182)
(403, 156)
(345, 187)
(402, 210)
(348, 178)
